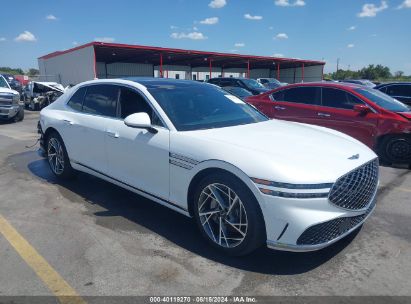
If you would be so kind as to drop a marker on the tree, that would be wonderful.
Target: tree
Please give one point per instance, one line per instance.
(398, 74)
(33, 72)
(8, 70)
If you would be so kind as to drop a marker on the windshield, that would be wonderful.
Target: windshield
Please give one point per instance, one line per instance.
(251, 83)
(384, 100)
(195, 107)
(3, 83)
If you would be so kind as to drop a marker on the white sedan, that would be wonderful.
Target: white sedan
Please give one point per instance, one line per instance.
(192, 147)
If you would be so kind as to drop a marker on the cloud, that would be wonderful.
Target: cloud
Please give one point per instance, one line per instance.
(2, 39)
(278, 55)
(287, 3)
(217, 3)
(251, 17)
(351, 45)
(405, 4)
(239, 44)
(105, 39)
(210, 21)
(352, 28)
(281, 36)
(271, 28)
(75, 43)
(192, 36)
(373, 35)
(195, 28)
(173, 27)
(51, 17)
(25, 36)
(371, 10)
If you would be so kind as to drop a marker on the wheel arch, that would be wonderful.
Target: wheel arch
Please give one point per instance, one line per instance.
(214, 166)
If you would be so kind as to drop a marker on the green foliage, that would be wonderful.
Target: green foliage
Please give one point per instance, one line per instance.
(33, 72)
(372, 72)
(7, 70)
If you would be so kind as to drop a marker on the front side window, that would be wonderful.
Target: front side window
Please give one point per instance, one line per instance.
(101, 100)
(132, 102)
(76, 101)
(340, 99)
(304, 95)
(203, 106)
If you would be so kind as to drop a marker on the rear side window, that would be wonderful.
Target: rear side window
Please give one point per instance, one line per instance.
(101, 100)
(76, 101)
(305, 95)
(399, 90)
(339, 99)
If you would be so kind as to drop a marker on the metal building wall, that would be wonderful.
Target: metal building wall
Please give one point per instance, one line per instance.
(121, 69)
(294, 75)
(69, 68)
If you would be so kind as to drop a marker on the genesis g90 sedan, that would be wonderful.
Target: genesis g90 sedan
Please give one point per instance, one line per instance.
(193, 147)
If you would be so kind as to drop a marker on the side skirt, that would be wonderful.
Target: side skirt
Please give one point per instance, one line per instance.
(152, 197)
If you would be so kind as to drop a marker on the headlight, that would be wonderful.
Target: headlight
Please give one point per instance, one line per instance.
(16, 98)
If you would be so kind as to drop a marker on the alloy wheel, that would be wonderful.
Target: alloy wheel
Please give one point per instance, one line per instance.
(55, 156)
(222, 215)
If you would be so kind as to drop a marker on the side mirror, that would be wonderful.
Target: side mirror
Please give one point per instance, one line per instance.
(362, 109)
(140, 121)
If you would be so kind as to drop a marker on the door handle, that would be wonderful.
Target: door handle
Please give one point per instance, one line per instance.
(279, 108)
(324, 114)
(112, 134)
(68, 122)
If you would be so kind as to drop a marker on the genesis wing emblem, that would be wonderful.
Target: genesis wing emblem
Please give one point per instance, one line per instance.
(356, 156)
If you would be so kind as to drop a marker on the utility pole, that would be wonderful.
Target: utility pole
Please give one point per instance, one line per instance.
(338, 64)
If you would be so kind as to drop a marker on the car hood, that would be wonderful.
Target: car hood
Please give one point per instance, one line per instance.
(277, 150)
(8, 91)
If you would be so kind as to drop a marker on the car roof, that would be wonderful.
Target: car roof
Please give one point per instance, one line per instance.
(392, 83)
(342, 85)
(236, 78)
(151, 82)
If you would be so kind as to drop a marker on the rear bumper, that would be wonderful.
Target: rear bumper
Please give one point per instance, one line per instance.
(8, 112)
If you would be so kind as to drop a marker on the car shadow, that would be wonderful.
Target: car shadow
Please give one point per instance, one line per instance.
(176, 228)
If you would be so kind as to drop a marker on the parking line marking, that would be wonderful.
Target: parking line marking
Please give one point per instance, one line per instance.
(61, 289)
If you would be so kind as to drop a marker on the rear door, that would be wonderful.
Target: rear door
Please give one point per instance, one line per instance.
(337, 112)
(85, 127)
(298, 104)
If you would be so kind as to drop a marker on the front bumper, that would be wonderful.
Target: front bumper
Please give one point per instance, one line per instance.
(303, 225)
(8, 112)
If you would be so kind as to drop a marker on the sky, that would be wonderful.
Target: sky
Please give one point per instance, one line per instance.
(355, 31)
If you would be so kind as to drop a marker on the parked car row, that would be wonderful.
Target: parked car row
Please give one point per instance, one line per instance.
(201, 151)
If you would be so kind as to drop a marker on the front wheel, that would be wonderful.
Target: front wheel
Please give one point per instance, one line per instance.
(396, 149)
(228, 215)
(58, 158)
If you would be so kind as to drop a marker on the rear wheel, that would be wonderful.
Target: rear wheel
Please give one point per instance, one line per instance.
(396, 149)
(228, 215)
(57, 157)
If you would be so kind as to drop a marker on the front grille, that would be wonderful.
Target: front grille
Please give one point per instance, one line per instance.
(328, 231)
(6, 99)
(355, 190)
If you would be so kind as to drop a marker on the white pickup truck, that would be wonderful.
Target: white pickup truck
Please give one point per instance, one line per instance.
(10, 106)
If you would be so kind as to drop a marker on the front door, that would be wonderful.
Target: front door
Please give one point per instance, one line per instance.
(138, 157)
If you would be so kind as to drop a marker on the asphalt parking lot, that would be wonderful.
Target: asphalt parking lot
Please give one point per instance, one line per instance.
(101, 240)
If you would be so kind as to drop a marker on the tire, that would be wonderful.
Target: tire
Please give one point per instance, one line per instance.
(57, 157)
(216, 225)
(19, 116)
(396, 150)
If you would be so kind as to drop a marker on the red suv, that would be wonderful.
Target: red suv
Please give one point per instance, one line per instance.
(374, 118)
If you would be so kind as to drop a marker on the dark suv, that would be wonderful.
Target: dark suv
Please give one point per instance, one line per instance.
(249, 84)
